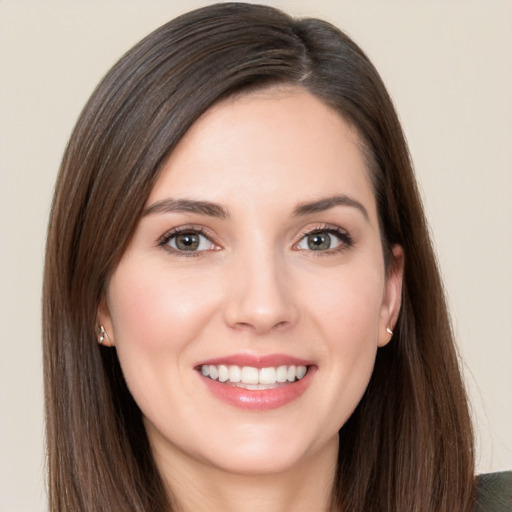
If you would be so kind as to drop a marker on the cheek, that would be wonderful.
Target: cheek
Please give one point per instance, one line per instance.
(156, 318)
(346, 304)
(153, 308)
(346, 313)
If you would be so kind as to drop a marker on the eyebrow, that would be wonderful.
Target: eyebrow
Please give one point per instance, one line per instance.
(187, 206)
(329, 202)
(171, 205)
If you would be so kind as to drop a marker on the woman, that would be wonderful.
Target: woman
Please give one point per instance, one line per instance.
(242, 307)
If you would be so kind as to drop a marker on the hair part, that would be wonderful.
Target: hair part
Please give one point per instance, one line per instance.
(408, 444)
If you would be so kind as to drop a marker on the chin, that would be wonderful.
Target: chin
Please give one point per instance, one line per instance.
(262, 462)
(270, 454)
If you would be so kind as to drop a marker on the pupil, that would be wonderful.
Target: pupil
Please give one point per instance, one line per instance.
(319, 241)
(187, 242)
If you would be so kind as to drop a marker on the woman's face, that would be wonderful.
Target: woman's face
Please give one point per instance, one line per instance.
(258, 259)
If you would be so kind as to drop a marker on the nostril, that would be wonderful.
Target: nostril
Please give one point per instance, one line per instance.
(282, 325)
(257, 327)
(244, 326)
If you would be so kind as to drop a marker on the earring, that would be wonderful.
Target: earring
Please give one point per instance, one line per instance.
(102, 335)
(389, 331)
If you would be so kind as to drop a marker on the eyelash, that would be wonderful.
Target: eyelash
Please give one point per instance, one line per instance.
(345, 238)
(164, 240)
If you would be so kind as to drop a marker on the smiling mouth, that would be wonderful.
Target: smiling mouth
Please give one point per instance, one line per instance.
(252, 378)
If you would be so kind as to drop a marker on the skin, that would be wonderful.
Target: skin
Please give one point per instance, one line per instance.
(256, 288)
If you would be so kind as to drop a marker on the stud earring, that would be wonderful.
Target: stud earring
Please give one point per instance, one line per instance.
(102, 336)
(389, 331)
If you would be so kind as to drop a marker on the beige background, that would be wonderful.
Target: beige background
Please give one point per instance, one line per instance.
(448, 66)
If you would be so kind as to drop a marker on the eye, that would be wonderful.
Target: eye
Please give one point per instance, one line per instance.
(324, 240)
(187, 241)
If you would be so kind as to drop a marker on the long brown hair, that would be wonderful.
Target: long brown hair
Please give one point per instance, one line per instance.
(408, 445)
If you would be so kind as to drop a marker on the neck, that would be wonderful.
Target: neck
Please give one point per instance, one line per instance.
(197, 486)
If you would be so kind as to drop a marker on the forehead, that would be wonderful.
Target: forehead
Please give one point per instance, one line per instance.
(278, 144)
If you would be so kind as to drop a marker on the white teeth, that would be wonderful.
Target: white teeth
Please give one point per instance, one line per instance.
(223, 373)
(214, 372)
(235, 374)
(282, 374)
(301, 371)
(254, 378)
(250, 375)
(256, 386)
(267, 376)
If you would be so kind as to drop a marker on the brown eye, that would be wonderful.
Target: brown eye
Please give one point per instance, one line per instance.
(187, 241)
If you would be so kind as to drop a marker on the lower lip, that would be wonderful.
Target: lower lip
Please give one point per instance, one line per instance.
(260, 399)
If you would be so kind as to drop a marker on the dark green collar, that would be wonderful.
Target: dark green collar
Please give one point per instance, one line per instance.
(494, 492)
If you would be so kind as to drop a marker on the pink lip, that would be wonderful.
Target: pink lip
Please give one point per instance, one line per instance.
(258, 400)
(257, 361)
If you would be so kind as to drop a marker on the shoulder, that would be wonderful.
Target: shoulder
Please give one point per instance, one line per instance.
(494, 492)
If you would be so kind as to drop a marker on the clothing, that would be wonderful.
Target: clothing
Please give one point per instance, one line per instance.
(494, 492)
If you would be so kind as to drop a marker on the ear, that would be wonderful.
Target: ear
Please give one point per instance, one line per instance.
(106, 336)
(392, 298)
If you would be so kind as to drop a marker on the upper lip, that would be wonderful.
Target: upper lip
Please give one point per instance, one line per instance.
(257, 360)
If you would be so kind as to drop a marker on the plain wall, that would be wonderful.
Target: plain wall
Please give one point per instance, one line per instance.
(448, 66)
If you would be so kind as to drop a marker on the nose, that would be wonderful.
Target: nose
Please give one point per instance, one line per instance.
(260, 295)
